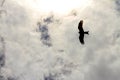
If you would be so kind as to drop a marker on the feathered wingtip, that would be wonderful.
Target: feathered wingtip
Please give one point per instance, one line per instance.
(88, 32)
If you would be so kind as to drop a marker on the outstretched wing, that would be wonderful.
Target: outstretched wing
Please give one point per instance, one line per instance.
(80, 26)
(81, 38)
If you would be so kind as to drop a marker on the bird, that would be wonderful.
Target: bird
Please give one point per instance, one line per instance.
(82, 32)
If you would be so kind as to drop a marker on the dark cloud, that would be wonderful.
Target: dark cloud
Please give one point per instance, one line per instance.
(117, 2)
(11, 78)
(2, 56)
(2, 78)
(45, 37)
(6, 78)
(117, 34)
(49, 19)
(116, 37)
(49, 77)
(61, 50)
(2, 52)
(43, 28)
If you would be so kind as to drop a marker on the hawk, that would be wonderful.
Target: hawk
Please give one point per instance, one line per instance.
(82, 32)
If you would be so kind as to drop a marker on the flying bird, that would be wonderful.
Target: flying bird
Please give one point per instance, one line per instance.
(82, 32)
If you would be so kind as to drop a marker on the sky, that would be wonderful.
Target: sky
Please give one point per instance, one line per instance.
(39, 40)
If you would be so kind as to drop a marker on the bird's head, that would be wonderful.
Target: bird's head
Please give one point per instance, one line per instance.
(81, 21)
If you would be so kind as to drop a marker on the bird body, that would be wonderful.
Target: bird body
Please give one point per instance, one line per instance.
(82, 32)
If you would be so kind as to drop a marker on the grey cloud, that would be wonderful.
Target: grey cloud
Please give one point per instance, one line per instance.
(14, 14)
(43, 28)
(48, 20)
(49, 77)
(11, 78)
(45, 37)
(116, 35)
(51, 18)
(2, 58)
(102, 71)
(117, 2)
(2, 2)
(6, 78)
(2, 52)
(61, 50)
(27, 58)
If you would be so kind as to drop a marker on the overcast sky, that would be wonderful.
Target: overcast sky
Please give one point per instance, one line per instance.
(41, 40)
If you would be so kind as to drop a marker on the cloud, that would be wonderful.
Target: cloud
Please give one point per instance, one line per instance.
(102, 71)
(2, 52)
(117, 2)
(45, 37)
(28, 57)
(48, 19)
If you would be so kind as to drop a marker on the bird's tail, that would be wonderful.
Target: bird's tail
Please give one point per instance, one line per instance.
(87, 32)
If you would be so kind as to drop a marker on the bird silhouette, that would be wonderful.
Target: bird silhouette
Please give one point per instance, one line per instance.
(82, 32)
